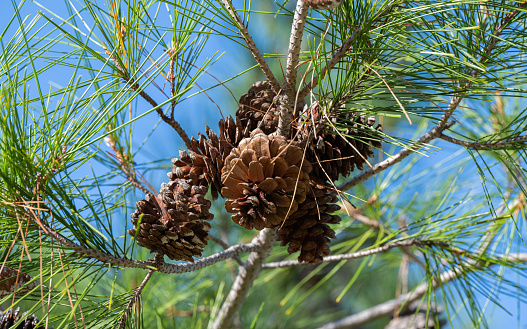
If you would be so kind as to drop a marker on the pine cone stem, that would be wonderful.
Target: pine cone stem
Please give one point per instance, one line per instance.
(246, 276)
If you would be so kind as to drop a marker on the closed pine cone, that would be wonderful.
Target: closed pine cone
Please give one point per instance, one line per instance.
(306, 230)
(339, 154)
(174, 223)
(9, 318)
(265, 178)
(258, 109)
(205, 161)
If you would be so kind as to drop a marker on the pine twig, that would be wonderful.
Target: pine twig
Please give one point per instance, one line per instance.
(341, 52)
(225, 246)
(137, 293)
(288, 99)
(485, 146)
(252, 46)
(388, 307)
(437, 131)
(245, 279)
(135, 87)
(360, 254)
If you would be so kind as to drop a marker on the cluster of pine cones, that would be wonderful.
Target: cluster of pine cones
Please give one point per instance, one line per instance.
(268, 181)
(9, 318)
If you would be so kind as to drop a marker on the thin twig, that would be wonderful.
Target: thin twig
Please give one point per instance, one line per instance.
(359, 254)
(125, 165)
(245, 279)
(135, 87)
(135, 297)
(289, 102)
(387, 308)
(341, 52)
(484, 146)
(251, 45)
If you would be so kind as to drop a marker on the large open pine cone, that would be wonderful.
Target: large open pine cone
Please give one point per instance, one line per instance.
(333, 154)
(306, 230)
(174, 223)
(259, 110)
(9, 318)
(265, 178)
(205, 161)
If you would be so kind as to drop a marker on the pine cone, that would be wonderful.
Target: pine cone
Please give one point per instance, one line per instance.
(204, 162)
(258, 108)
(11, 280)
(174, 223)
(335, 154)
(265, 178)
(9, 318)
(306, 230)
(323, 4)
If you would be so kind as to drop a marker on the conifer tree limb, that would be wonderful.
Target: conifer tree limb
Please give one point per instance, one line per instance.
(359, 254)
(251, 45)
(246, 276)
(341, 52)
(387, 308)
(288, 98)
(485, 146)
(442, 125)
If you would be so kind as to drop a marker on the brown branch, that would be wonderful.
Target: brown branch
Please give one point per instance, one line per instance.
(360, 254)
(135, 87)
(125, 165)
(251, 45)
(388, 307)
(341, 52)
(485, 146)
(135, 297)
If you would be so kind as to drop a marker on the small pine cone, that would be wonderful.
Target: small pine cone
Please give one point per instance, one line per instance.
(204, 162)
(265, 178)
(307, 230)
(174, 223)
(12, 280)
(323, 4)
(338, 154)
(258, 109)
(9, 318)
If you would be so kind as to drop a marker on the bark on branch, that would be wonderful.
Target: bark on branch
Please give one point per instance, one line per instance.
(486, 146)
(388, 307)
(360, 254)
(251, 45)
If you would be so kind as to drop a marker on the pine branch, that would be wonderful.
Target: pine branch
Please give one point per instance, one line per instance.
(135, 87)
(360, 254)
(252, 46)
(341, 52)
(225, 246)
(288, 100)
(246, 276)
(390, 306)
(426, 138)
(137, 294)
(485, 146)
(437, 131)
